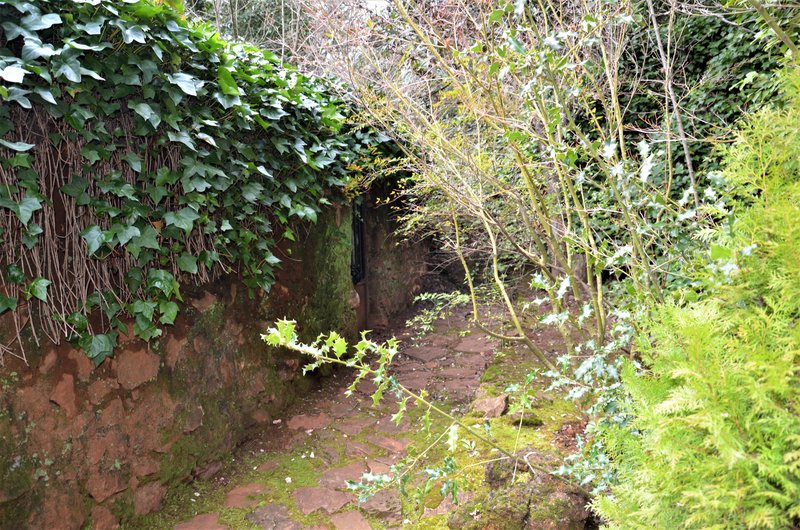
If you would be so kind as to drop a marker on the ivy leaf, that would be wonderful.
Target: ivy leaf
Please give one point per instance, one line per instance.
(45, 94)
(92, 155)
(94, 237)
(183, 219)
(7, 303)
(93, 27)
(78, 321)
(101, 346)
(126, 233)
(207, 139)
(226, 82)
(169, 310)
(187, 263)
(76, 187)
(17, 146)
(133, 160)
(37, 289)
(148, 238)
(147, 112)
(34, 22)
(144, 329)
(187, 83)
(157, 193)
(146, 308)
(69, 68)
(182, 137)
(26, 207)
(251, 191)
(134, 34)
(30, 236)
(14, 274)
(13, 73)
(161, 281)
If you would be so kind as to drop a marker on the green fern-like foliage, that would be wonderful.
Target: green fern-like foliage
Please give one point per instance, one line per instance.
(716, 439)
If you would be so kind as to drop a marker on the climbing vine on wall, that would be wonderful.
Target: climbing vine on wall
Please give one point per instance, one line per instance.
(139, 151)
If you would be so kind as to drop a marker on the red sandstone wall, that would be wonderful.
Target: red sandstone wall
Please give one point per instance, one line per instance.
(80, 444)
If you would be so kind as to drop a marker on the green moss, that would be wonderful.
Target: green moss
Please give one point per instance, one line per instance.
(17, 494)
(326, 255)
(123, 506)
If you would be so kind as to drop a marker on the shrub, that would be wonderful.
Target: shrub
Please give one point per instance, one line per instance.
(715, 442)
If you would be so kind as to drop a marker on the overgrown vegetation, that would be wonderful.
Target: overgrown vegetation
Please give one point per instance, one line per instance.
(571, 156)
(575, 149)
(139, 151)
(715, 436)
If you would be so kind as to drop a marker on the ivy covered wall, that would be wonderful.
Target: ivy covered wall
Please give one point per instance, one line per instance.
(140, 152)
(164, 195)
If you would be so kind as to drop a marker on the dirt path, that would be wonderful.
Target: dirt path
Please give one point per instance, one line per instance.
(296, 476)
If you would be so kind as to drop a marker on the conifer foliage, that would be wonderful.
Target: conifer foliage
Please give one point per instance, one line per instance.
(716, 438)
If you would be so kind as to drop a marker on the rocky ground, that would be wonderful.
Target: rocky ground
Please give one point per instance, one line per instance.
(296, 474)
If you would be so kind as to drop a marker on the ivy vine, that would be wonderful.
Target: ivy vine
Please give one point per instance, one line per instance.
(139, 151)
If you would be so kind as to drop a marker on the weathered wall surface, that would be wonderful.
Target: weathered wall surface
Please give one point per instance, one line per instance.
(394, 269)
(81, 444)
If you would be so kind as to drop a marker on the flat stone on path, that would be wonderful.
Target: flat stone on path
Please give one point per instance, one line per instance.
(459, 372)
(350, 521)
(309, 421)
(442, 341)
(385, 504)
(273, 517)
(366, 387)
(356, 449)
(415, 380)
(425, 353)
(476, 361)
(206, 521)
(337, 477)
(393, 445)
(352, 426)
(243, 496)
(385, 424)
(474, 343)
(339, 409)
(309, 500)
(460, 389)
(376, 467)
